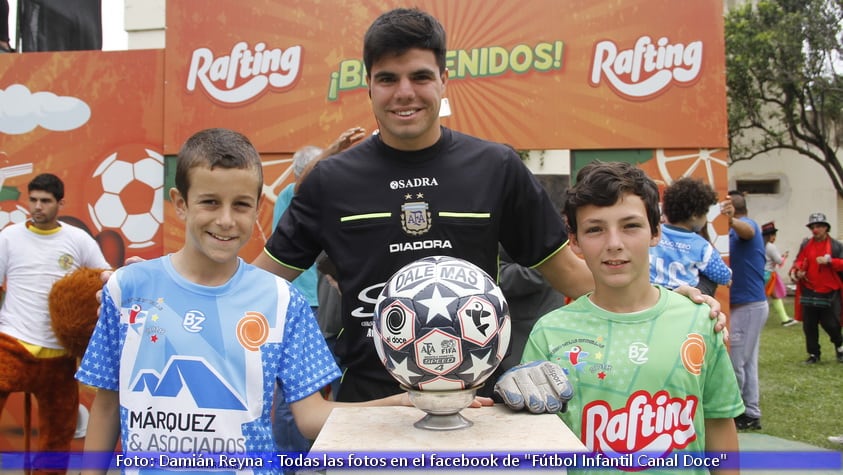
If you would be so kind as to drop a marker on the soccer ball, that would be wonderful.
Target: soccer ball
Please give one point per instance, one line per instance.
(131, 199)
(12, 213)
(719, 234)
(441, 324)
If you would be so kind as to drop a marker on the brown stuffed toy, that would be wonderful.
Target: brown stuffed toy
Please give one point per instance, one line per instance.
(73, 309)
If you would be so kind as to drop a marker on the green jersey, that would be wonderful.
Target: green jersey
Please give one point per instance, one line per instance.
(643, 382)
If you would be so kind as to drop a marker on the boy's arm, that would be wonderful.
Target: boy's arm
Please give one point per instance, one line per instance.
(311, 412)
(105, 429)
(721, 436)
(717, 270)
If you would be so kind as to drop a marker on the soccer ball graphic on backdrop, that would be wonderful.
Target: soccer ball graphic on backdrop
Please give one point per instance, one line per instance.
(131, 200)
(12, 213)
(441, 324)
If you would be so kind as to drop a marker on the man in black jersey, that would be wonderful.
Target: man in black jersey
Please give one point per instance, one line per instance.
(413, 190)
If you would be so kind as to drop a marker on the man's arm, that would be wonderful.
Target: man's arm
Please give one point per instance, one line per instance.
(100, 443)
(567, 273)
(743, 229)
(721, 436)
(268, 264)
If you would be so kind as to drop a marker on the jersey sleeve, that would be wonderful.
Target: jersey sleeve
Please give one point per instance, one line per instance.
(536, 347)
(715, 269)
(100, 366)
(307, 364)
(532, 228)
(721, 395)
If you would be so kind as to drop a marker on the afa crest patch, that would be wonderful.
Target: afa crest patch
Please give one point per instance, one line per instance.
(415, 218)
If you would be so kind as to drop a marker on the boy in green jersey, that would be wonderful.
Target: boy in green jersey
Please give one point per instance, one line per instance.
(648, 385)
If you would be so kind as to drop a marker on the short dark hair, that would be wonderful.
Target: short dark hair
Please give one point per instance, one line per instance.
(687, 197)
(49, 183)
(216, 148)
(399, 30)
(738, 201)
(604, 183)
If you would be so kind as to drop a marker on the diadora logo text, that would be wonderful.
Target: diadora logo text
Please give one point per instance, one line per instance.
(244, 74)
(420, 245)
(647, 69)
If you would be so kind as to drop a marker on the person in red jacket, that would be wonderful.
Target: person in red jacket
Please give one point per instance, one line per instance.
(815, 270)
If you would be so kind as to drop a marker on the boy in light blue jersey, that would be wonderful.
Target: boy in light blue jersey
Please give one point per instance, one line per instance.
(647, 377)
(682, 255)
(188, 346)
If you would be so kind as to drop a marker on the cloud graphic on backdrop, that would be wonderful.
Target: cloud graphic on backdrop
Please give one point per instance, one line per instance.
(21, 111)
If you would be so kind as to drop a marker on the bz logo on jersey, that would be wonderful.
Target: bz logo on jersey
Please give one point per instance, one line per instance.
(192, 321)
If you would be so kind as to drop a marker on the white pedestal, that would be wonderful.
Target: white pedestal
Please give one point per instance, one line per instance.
(497, 431)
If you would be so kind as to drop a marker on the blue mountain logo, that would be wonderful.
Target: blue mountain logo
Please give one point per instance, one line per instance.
(208, 391)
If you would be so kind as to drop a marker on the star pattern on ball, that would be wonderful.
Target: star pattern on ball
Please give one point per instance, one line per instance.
(437, 304)
(496, 291)
(402, 371)
(478, 367)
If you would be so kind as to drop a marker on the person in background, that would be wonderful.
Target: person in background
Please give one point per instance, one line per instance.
(682, 255)
(816, 271)
(33, 255)
(748, 302)
(774, 285)
(286, 434)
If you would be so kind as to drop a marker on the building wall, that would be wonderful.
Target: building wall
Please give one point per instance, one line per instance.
(804, 189)
(145, 22)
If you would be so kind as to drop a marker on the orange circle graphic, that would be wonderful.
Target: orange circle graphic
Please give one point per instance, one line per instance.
(252, 330)
(693, 353)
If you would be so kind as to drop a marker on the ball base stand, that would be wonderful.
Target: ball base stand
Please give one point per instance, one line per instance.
(442, 408)
(496, 430)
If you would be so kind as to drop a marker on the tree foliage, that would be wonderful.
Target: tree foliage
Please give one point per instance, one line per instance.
(783, 73)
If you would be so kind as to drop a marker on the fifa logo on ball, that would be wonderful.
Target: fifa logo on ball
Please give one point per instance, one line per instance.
(441, 324)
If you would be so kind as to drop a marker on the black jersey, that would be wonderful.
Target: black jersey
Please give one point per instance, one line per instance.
(374, 209)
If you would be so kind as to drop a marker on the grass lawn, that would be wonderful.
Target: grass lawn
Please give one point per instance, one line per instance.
(798, 401)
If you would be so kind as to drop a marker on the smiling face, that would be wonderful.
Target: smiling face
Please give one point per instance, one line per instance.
(219, 214)
(406, 92)
(615, 242)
